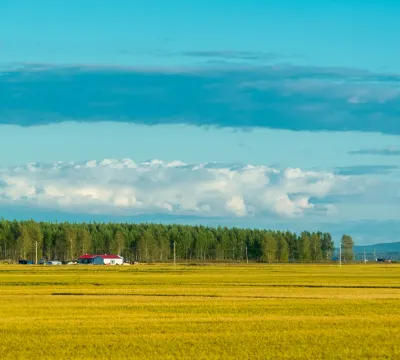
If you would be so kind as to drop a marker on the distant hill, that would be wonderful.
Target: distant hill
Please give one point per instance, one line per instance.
(379, 248)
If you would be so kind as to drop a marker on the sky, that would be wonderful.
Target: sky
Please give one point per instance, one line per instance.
(266, 114)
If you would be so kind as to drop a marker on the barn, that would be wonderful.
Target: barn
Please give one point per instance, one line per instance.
(106, 259)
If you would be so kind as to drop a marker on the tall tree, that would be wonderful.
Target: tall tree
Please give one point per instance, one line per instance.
(304, 247)
(69, 239)
(315, 247)
(327, 245)
(24, 242)
(164, 249)
(6, 240)
(61, 246)
(269, 248)
(117, 243)
(36, 236)
(225, 242)
(347, 245)
(147, 247)
(83, 241)
(283, 249)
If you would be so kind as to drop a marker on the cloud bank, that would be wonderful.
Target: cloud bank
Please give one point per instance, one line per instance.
(279, 97)
(231, 55)
(366, 169)
(390, 151)
(123, 187)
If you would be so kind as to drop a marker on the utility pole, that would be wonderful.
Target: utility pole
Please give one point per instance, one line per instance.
(365, 258)
(247, 258)
(174, 252)
(340, 256)
(36, 253)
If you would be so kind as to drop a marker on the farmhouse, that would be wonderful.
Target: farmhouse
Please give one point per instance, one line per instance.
(101, 259)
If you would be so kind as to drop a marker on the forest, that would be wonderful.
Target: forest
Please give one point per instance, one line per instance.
(156, 242)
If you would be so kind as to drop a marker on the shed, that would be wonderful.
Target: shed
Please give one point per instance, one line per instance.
(106, 259)
(86, 259)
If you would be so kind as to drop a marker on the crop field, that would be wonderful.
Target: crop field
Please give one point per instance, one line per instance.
(242, 311)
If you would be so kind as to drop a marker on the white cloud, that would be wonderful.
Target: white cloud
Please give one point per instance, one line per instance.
(123, 187)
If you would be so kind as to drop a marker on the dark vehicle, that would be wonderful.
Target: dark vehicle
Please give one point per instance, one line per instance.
(25, 262)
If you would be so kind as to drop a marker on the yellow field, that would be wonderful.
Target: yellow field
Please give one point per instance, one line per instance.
(200, 312)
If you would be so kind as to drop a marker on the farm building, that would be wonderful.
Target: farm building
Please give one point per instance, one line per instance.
(101, 259)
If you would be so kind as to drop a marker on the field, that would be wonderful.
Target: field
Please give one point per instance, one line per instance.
(200, 312)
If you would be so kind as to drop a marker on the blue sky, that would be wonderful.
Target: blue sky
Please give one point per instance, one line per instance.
(307, 93)
(329, 33)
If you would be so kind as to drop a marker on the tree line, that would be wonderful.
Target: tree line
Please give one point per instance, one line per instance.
(155, 242)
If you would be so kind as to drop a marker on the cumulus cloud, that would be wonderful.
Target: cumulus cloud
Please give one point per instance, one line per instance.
(123, 187)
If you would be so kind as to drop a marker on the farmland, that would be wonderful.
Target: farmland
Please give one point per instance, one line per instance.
(244, 311)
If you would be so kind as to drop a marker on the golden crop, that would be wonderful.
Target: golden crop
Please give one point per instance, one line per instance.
(242, 311)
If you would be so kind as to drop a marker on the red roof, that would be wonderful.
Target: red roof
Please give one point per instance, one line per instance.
(104, 256)
(86, 256)
(110, 256)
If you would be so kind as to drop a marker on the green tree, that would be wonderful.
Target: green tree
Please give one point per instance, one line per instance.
(293, 243)
(146, 247)
(98, 241)
(60, 248)
(347, 245)
(327, 245)
(164, 250)
(24, 242)
(269, 248)
(69, 240)
(315, 247)
(6, 240)
(283, 249)
(83, 241)
(304, 247)
(36, 236)
(225, 245)
(117, 243)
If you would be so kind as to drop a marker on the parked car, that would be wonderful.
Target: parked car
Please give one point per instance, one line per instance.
(54, 262)
(25, 262)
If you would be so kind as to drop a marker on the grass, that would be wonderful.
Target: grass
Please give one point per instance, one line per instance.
(200, 312)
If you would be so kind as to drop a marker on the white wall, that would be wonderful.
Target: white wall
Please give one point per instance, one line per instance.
(113, 261)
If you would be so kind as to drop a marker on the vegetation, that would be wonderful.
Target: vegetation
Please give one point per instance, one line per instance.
(154, 242)
(347, 245)
(237, 311)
